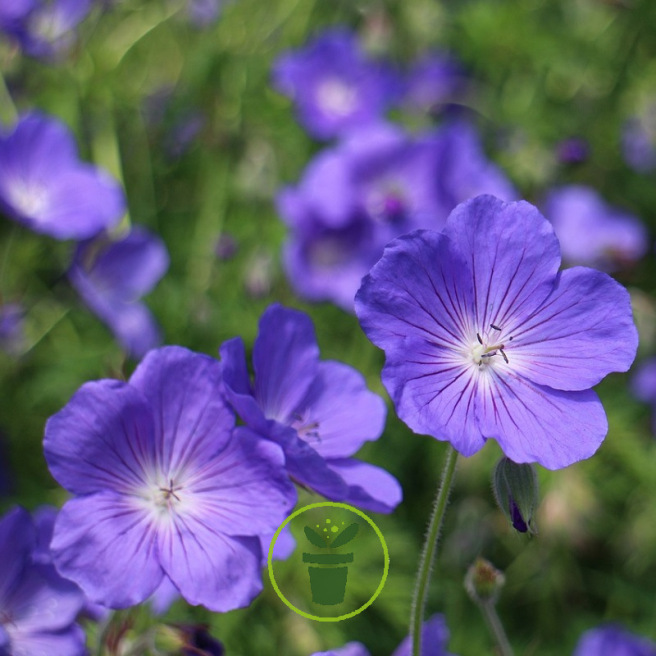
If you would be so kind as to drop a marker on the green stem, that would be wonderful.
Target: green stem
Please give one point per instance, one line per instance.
(430, 548)
(496, 627)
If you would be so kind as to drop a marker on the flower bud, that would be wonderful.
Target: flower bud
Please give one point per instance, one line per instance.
(516, 491)
(187, 640)
(484, 581)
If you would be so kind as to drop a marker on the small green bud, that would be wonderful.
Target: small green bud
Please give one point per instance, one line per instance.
(516, 491)
(484, 581)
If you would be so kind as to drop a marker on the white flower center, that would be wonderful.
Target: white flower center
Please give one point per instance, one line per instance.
(29, 198)
(336, 96)
(165, 498)
(483, 353)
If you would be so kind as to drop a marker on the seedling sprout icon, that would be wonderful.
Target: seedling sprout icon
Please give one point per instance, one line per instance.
(328, 571)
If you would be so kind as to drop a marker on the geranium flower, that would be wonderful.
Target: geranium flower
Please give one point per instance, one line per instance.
(321, 413)
(164, 487)
(44, 186)
(37, 607)
(335, 86)
(613, 640)
(111, 277)
(593, 233)
(485, 338)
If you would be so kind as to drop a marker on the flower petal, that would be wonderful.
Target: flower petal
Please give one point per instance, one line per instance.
(102, 439)
(533, 423)
(209, 568)
(583, 331)
(192, 419)
(369, 487)
(285, 358)
(342, 414)
(108, 546)
(513, 257)
(70, 642)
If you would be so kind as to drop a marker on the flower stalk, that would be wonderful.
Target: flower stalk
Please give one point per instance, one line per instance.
(430, 549)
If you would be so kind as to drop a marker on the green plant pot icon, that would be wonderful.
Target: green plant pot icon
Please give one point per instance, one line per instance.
(328, 576)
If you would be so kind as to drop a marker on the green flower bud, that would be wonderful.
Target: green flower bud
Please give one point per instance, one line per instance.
(516, 491)
(484, 581)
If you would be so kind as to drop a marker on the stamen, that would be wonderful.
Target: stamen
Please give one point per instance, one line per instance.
(494, 327)
(505, 357)
(478, 337)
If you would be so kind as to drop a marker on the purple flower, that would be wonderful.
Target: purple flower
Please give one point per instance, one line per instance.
(436, 79)
(11, 328)
(38, 606)
(375, 186)
(612, 640)
(203, 13)
(45, 28)
(111, 277)
(485, 338)
(573, 150)
(320, 412)
(643, 386)
(335, 86)
(639, 140)
(164, 487)
(44, 185)
(434, 639)
(593, 233)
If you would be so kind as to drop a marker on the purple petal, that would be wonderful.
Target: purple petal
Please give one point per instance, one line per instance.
(349, 649)
(17, 541)
(238, 385)
(220, 572)
(644, 382)
(108, 546)
(513, 257)
(369, 487)
(434, 638)
(285, 359)
(583, 331)
(102, 439)
(339, 414)
(245, 489)
(612, 640)
(164, 596)
(532, 423)
(191, 419)
(70, 641)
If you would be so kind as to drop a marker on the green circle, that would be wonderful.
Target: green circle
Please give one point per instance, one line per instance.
(288, 603)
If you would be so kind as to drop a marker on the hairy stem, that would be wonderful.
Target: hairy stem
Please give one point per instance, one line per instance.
(430, 548)
(496, 627)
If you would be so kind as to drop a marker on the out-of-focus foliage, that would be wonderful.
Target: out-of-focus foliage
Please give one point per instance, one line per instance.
(185, 117)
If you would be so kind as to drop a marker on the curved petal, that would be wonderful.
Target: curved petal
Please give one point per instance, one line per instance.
(285, 358)
(339, 414)
(513, 258)
(434, 392)
(533, 423)
(583, 331)
(245, 490)
(18, 538)
(209, 568)
(192, 420)
(369, 487)
(434, 637)
(420, 290)
(70, 642)
(102, 439)
(106, 544)
(237, 384)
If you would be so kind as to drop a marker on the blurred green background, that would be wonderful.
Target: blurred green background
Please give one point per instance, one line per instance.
(543, 70)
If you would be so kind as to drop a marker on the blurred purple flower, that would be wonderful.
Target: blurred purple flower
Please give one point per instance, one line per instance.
(437, 79)
(38, 606)
(111, 277)
(335, 86)
(573, 150)
(203, 13)
(613, 640)
(11, 328)
(44, 28)
(434, 639)
(593, 233)
(320, 412)
(375, 186)
(199, 642)
(46, 187)
(643, 386)
(165, 487)
(485, 338)
(639, 140)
